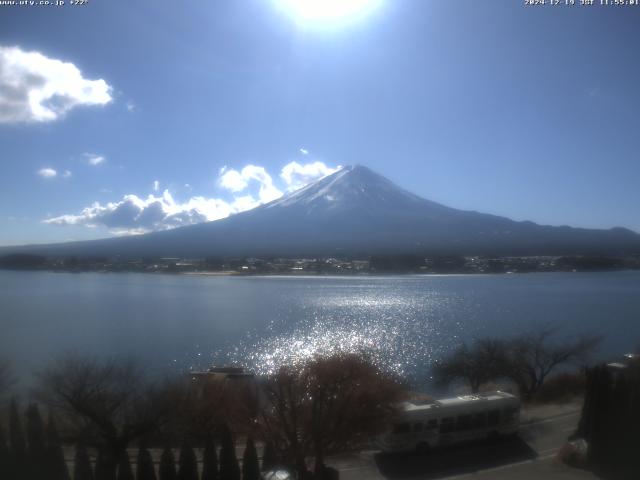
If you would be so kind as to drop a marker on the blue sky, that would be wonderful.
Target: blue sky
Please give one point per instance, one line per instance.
(528, 112)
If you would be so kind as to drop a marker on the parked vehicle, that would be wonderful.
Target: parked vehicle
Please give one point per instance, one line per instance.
(452, 420)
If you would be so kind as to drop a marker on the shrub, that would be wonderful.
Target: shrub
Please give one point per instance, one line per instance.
(561, 388)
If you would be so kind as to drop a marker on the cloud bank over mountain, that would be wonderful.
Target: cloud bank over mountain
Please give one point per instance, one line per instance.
(36, 88)
(247, 188)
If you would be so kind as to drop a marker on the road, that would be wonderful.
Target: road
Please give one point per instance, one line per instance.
(531, 456)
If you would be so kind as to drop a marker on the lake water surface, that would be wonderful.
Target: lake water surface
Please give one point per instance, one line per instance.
(186, 321)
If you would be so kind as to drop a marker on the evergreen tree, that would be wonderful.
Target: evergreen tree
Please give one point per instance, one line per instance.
(145, 470)
(124, 467)
(210, 461)
(269, 457)
(188, 463)
(585, 424)
(17, 446)
(37, 448)
(250, 465)
(624, 443)
(4, 454)
(599, 438)
(56, 464)
(167, 465)
(16, 435)
(229, 468)
(105, 468)
(609, 421)
(82, 465)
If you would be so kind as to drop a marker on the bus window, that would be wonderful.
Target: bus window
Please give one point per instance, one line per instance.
(446, 425)
(463, 422)
(479, 420)
(417, 427)
(493, 418)
(402, 428)
(432, 424)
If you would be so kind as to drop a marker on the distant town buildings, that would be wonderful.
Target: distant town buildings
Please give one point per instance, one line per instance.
(333, 265)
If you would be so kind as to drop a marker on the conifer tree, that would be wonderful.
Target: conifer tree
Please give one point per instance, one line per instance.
(105, 468)
(82, 465)
(167, 466)
(145, 470)
(188, 462)
(269, 457)
(4, 454)
(229, 468)
(125, 471)
(250, 465)
(37, 448)
(18, 463)
(16, 435)
(56, 464)
(210, 461)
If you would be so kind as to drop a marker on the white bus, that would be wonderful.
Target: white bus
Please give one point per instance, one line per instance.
(452, 420)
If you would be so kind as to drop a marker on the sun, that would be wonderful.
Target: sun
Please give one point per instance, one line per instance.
(327, 10)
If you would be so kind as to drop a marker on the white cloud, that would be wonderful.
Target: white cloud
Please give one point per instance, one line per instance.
(94, 159)
(238, 181)
(134, 215)
(35, 88)
(232, 180)
(47, 172)
(304, 151)
(156, 185)
(296, 176)
(67, 174)
(130, 106)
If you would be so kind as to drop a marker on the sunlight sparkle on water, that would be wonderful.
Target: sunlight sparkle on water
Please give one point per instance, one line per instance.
(384, 328)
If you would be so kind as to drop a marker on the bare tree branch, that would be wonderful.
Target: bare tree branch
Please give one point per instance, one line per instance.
(106, 404)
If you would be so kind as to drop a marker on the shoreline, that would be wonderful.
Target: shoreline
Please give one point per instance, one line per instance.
(231, 273)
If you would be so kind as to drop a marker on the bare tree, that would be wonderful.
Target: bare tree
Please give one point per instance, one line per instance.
(201, 405)
(329, 405)
(106, 404)
(483, 361)
(526, 359)
(533, 356)
(282, 417)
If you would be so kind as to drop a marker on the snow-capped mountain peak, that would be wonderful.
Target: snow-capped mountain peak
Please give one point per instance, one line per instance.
(351, 187)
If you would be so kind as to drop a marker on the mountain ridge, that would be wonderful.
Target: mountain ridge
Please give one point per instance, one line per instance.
(354, 211)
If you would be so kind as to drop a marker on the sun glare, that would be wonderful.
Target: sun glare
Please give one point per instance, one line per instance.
(327, 10)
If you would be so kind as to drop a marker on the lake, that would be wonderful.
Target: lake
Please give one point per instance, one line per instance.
(178, 322)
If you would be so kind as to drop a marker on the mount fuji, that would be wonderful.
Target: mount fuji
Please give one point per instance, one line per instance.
(354, 212)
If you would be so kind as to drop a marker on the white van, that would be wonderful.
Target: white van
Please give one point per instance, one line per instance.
(452, 420)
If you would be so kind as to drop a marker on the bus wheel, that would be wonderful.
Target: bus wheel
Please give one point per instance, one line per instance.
(422, 447)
